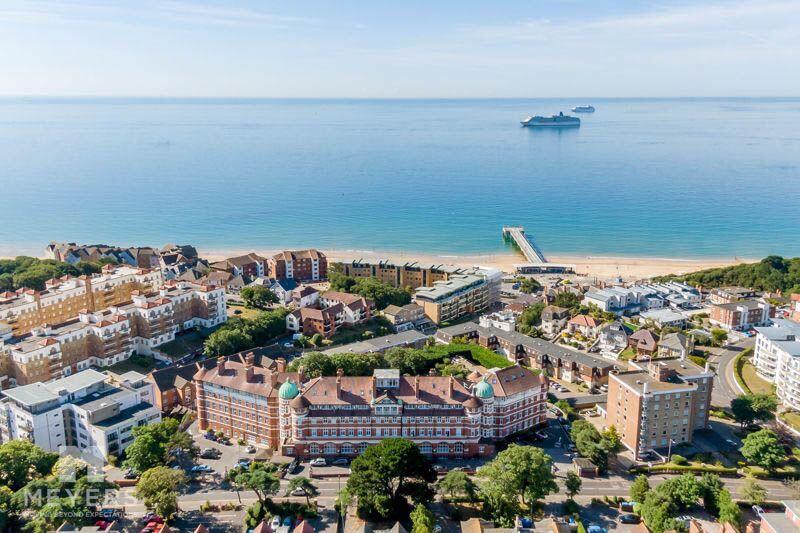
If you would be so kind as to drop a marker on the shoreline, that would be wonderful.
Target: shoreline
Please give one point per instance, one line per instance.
(601, 267)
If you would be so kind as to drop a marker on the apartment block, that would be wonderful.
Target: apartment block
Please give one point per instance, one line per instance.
(108, 336)
(63, 298)
(742, 315)
(341, 416)
(240, 399)
(83, 410)
(412, 274)
(777, 359)
(334, 310)
(726, 295)
(300, 265)
(459, 295)
(248, 266)
(663, 402)
(554, 360)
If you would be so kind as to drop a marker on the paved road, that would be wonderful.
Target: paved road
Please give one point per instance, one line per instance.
(725, 386)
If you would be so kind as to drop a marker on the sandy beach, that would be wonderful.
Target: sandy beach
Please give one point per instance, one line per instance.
(627, 268)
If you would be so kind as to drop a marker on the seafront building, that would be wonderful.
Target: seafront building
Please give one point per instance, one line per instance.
(84, 411)
(777, 359)
(299, 265)
(341, 416)
(109, 335)
(332, 311)
(661, 403)
(460, 295)
(63, 298)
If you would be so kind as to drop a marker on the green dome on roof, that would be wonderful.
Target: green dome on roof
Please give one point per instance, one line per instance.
(288, 390)
(483, 389)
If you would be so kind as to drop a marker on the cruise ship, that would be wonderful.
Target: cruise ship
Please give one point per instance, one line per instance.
(583, 109)
(556, 121)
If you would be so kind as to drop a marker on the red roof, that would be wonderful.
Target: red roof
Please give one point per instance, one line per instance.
(584, 320)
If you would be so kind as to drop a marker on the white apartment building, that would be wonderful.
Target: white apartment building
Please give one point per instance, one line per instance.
(503, 320)
(83, 411)
(777, 359)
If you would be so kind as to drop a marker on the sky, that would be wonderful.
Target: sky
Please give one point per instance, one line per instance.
(399, 49)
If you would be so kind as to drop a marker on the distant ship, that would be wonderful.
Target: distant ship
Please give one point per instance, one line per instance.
(583, 109)
(556, 121)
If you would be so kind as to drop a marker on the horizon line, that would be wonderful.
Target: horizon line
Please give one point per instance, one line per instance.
(389, 98)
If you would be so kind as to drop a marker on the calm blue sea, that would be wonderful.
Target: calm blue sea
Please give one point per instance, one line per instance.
(664, 178)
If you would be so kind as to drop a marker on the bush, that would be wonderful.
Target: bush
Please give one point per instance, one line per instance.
(679, 460)
(571, 507)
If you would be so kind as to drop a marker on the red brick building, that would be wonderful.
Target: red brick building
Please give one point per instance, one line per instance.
(300, 265)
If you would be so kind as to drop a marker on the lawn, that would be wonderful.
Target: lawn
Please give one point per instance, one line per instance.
(792, 418)
(183, 345)
(632, 326)
(753, 381)
(242, 311)
(133, 364)
(627, 354)
(480, 355)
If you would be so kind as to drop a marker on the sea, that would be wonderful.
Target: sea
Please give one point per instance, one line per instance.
(672, 178)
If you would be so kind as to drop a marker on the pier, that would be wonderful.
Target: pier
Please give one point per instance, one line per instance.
(537, 262)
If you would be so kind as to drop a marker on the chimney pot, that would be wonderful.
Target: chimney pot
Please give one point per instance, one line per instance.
(221, 364)
(280, 364)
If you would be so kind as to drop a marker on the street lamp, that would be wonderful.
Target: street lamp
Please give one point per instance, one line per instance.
(669, 449)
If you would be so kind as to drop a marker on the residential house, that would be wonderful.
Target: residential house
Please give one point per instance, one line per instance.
(613, 337)
(305, 296)
(249, 266)
(283, 289)
(404, 318)
(299, 265)
(643, 341)
(586, 325)
(554, 319)
(788, 520)
(662, 318)
(676, 345)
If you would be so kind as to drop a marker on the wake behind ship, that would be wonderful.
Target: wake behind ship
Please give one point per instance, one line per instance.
(556, 121)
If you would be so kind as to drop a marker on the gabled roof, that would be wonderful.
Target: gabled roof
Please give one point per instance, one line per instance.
(584, 320)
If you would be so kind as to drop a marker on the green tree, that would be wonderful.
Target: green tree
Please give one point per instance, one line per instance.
(518, 473)
(764, 449)
(753, 492)
(408, 360)
(158, 488)
(710, 488)
(316, 339)
(386, 475)
(254, 515)
(718, 336)
(422, 519)
(51, 515)
(612, 437)
(749, 408)
(639, 488)
(457, 484)
(304, 484)
(258, 297)
(22, 461)
(656, 511)
(573, 484)
(568, 299)
(682, 491)
(227, 342)
(528, 285)
(383, 294)
(152, 444)
(340, 282)
(742, 409)
(590, 443)
(530, 318)
(729, 512)
(260, 478)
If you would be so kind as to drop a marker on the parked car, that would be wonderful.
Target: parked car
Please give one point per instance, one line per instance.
(244, 464)
(287, 521)
(340, 461)
(211, 436)
(629, 519)
(594, 528)
(758, 510)
(201, 468)
(298, 492)
(130, 474)
(319, 461)
(152, 517)
(276, 522)
(250, 449)
(210, 453)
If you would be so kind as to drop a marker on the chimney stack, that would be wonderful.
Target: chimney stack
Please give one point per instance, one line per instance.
(339, 374)
(301, 374)
(432, 372)
(273, 379)
(416, 387)
(249, 365)
(646, 387)
(220, 364)
(450, 387)
(280, 364)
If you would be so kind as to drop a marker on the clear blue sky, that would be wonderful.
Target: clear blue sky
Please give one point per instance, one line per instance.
(406, 48)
